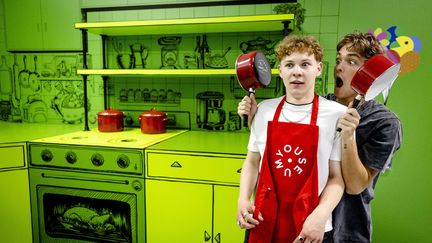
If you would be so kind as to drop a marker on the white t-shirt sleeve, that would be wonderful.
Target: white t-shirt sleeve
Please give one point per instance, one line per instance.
(253, 145)
(258, 133)
(336, 153)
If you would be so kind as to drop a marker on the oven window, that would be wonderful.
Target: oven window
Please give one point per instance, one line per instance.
(86, 218)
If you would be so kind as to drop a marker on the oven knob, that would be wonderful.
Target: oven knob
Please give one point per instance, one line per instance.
(123, 161)
(46, 155)
(71, 157)
(97, 159)
(137, 186)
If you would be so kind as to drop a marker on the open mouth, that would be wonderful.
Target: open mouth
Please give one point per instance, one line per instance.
(339, 82)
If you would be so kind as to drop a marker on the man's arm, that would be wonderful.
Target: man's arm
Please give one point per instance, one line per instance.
(314, 225)
(379, 148)
(248, 180)
(357, 176)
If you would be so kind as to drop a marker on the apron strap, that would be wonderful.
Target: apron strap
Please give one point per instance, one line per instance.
(279, 109)
(314, 114)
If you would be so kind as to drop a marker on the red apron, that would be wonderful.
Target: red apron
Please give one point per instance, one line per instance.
(287, 190)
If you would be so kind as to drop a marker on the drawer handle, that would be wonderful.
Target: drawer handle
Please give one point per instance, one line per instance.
(218, 238)
(207, 236)
(176, 164)
(239, 170)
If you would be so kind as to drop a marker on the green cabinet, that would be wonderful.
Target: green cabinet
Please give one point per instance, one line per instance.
(224, 221)
(15, 223)
(192, 197)
(178, 212)
(44, 23)
(191, 212)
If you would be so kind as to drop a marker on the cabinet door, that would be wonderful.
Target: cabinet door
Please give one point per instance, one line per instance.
(178, 212)
(58, 21)
(225, 207)
(15, 223)
(42, 25)
(23, 24)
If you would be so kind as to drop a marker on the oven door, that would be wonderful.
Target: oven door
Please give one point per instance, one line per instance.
(84, 207)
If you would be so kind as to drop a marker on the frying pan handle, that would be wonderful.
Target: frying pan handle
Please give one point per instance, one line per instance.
(356, 102)
(245, 117)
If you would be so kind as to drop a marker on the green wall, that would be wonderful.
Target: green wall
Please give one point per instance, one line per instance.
(402, 205)
(403, 200)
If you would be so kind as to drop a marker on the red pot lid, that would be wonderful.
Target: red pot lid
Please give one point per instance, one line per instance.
(153, 113)
(110, 112)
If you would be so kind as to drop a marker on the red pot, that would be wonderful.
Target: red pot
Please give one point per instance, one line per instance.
(110, 120)
(253, 70)
(153, 121)
(376, 74)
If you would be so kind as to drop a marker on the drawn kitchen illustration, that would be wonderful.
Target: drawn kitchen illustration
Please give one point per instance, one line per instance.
(118, 119)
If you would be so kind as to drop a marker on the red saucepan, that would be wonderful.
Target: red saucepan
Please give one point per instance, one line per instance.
(253, 72)
(153, 121)
(110, 120)
(374, 76)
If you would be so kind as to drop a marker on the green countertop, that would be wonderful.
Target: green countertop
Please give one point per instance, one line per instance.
(207, 142)
(22, 132)
(191, 141)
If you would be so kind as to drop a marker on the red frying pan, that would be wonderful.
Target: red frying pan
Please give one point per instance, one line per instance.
(374, 76)
(253, 71)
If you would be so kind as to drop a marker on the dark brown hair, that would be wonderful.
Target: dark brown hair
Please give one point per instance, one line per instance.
(303, 44)
(364, 44)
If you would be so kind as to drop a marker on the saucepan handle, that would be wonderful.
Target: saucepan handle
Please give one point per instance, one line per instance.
(245, 117)
(356, 102)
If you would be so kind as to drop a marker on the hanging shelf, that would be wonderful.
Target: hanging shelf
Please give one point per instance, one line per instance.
(271, 22)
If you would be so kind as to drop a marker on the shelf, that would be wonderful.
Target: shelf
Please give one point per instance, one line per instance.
(272, 22)
(163, 72)
(60, 79)
(123, 104)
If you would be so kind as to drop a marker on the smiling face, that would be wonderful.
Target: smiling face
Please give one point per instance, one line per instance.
(298, 72)
(347, 64)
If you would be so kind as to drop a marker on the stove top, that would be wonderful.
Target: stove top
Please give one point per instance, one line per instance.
(129, 138)
(115, 152)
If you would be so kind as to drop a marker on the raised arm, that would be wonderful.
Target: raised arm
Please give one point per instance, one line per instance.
(247, 107)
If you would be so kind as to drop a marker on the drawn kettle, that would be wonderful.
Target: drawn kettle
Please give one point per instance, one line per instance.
(266, 46)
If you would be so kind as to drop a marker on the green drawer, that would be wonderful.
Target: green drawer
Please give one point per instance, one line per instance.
(211, 168)
(12, 155)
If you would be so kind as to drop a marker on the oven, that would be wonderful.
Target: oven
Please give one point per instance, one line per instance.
(89, 187)
(76, 207)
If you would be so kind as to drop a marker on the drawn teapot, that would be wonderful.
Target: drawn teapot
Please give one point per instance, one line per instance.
(263, 45)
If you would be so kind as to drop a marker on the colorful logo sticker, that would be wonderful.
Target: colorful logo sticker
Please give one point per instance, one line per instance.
(401, 49)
